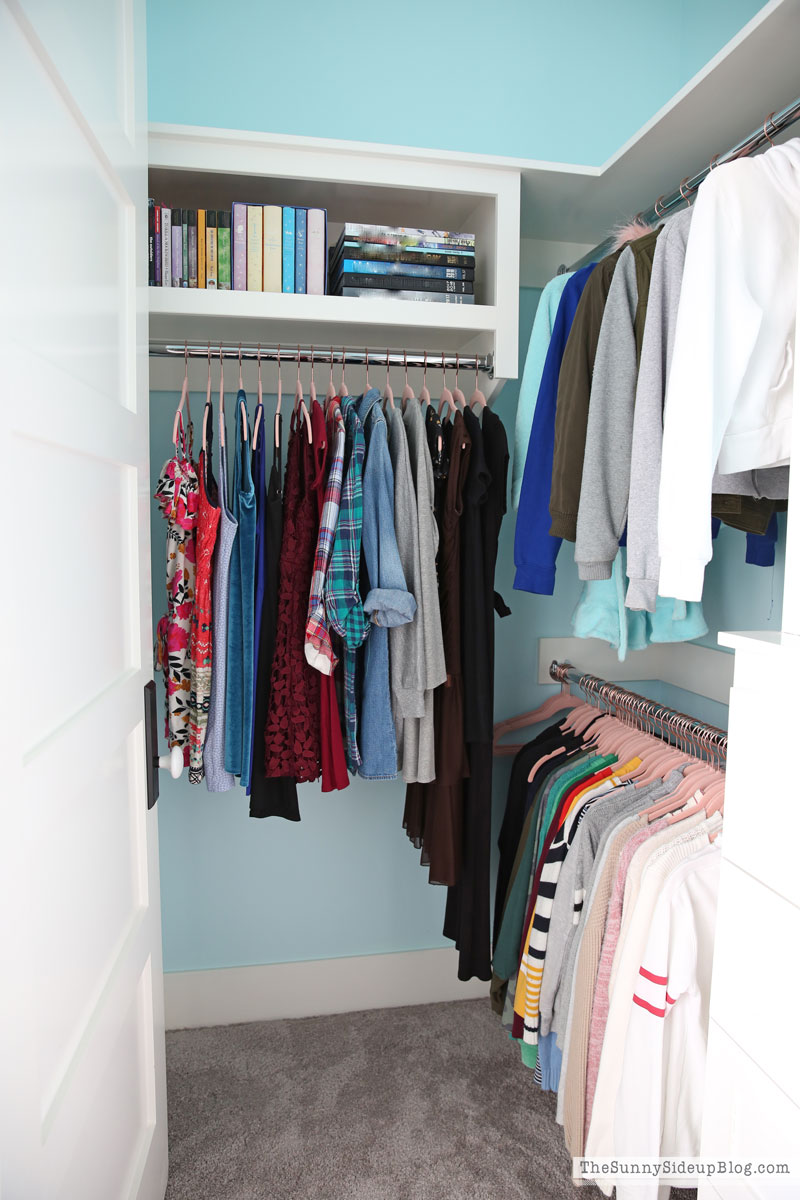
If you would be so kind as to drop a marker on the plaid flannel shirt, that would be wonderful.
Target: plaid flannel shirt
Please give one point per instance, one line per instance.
(341, 592)
(318, 645)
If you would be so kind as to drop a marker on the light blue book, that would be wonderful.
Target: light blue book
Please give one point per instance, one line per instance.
(369, 267)
(288, 249)
(300, 241)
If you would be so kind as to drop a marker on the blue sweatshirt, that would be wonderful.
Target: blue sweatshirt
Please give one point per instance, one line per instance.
(535, 550)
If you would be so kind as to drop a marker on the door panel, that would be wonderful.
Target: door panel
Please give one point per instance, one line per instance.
(82, 1087)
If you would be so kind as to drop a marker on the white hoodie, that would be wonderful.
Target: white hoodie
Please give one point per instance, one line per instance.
(729, 393)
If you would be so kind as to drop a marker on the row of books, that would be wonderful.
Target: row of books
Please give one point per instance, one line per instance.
(252, 248)
(390, 262)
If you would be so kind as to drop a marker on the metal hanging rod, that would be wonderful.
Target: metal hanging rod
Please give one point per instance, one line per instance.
(773, 124)
(326, 354)
(665, 723)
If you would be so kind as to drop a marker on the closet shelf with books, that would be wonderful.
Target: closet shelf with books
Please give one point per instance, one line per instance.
(394, 275)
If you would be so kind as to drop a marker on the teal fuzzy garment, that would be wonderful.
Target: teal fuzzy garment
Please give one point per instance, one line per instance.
(601, 613)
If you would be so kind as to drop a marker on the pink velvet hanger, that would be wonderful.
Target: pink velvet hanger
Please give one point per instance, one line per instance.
(458, 396)
(260, 405)
(388, 394)
(408, 391)
(343, 385)
(207, 408)
(447, 400)
(221, 400)
(299, 402)
(183, 403)
(552, 705)
(477, 396)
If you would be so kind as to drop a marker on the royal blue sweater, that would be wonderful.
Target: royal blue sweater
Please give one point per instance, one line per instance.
(535, 550)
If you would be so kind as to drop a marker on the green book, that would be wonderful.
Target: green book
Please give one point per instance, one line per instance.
(224, 250)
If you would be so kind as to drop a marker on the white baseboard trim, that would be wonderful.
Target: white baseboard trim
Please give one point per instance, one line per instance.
(231, 995)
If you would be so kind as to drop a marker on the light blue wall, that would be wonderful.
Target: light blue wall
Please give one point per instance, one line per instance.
(566, 80)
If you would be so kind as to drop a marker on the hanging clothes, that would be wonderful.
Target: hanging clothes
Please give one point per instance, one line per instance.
(201, 643)
(239, 680)
(178, 497)
(388, 601)
(332, 760)
(467, 911)
(218, 779)
(342, 596)
(293, 719)
(433, 817)
(269, 797)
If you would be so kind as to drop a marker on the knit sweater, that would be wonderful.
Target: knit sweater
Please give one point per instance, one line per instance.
(729, 394)
(538, 345)
(659, 1107)
(603, 507)
(535, 550)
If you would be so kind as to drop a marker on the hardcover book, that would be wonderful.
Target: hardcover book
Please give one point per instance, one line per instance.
(273, 251)
(166, 246)
(359, 267)
(157, 244)
(224, 251)
(316, 252)
(239, 248)
(430, 297)
(184, 247)
(201, 247)
(151, 243)
(300, 229)
(288, 250)
(191, 243)
(177, 246)
(255, 248)
(374, 251)
(399, 283)
(211, 249)
(440, 238)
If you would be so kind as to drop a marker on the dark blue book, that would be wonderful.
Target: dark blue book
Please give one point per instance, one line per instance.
(300, 248)
(370, 267)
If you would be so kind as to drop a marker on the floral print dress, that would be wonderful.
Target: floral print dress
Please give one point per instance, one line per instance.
(178, 496)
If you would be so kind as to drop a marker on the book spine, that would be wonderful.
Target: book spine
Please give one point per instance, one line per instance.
(191, 245)
(239, 235)
(359, 267)
(255, 248)
(429, 297)
(370, 251)
(157, 244)
(166, 247)
(177, 246)
(224, 251)
(273, 229)
(288, 250)
(184, 247)
(316, 252)
(211, 249)
(300, 233)
(400, 283)
(151, 242)
(201, 247)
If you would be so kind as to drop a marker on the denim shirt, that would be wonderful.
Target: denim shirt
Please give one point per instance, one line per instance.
(387, 603)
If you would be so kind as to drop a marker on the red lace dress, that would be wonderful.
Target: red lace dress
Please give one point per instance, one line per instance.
(292, 734)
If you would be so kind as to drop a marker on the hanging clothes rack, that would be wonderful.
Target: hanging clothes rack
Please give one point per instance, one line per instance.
(665, 723)
(290, 352)
(773, 124)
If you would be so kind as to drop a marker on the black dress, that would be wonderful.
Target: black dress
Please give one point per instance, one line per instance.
(468, 903)
(269, 797)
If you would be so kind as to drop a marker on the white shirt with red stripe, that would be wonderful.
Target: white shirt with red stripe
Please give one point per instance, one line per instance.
(660, 1099)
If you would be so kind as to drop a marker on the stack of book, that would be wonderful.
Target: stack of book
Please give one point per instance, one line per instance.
(251, 248)
(403, 264)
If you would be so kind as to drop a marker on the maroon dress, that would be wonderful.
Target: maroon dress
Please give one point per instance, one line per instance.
(292, 735)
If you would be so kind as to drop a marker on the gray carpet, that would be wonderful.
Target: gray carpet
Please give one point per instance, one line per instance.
(423, 1103)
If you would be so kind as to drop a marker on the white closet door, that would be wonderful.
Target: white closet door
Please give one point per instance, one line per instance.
(82, 1080)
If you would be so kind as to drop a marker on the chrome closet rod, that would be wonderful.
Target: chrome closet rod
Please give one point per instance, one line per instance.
(324, 354)
(664, 205)
(648, 715)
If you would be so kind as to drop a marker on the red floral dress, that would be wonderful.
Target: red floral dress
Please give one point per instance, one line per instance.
(177, 493)
(200, 637)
